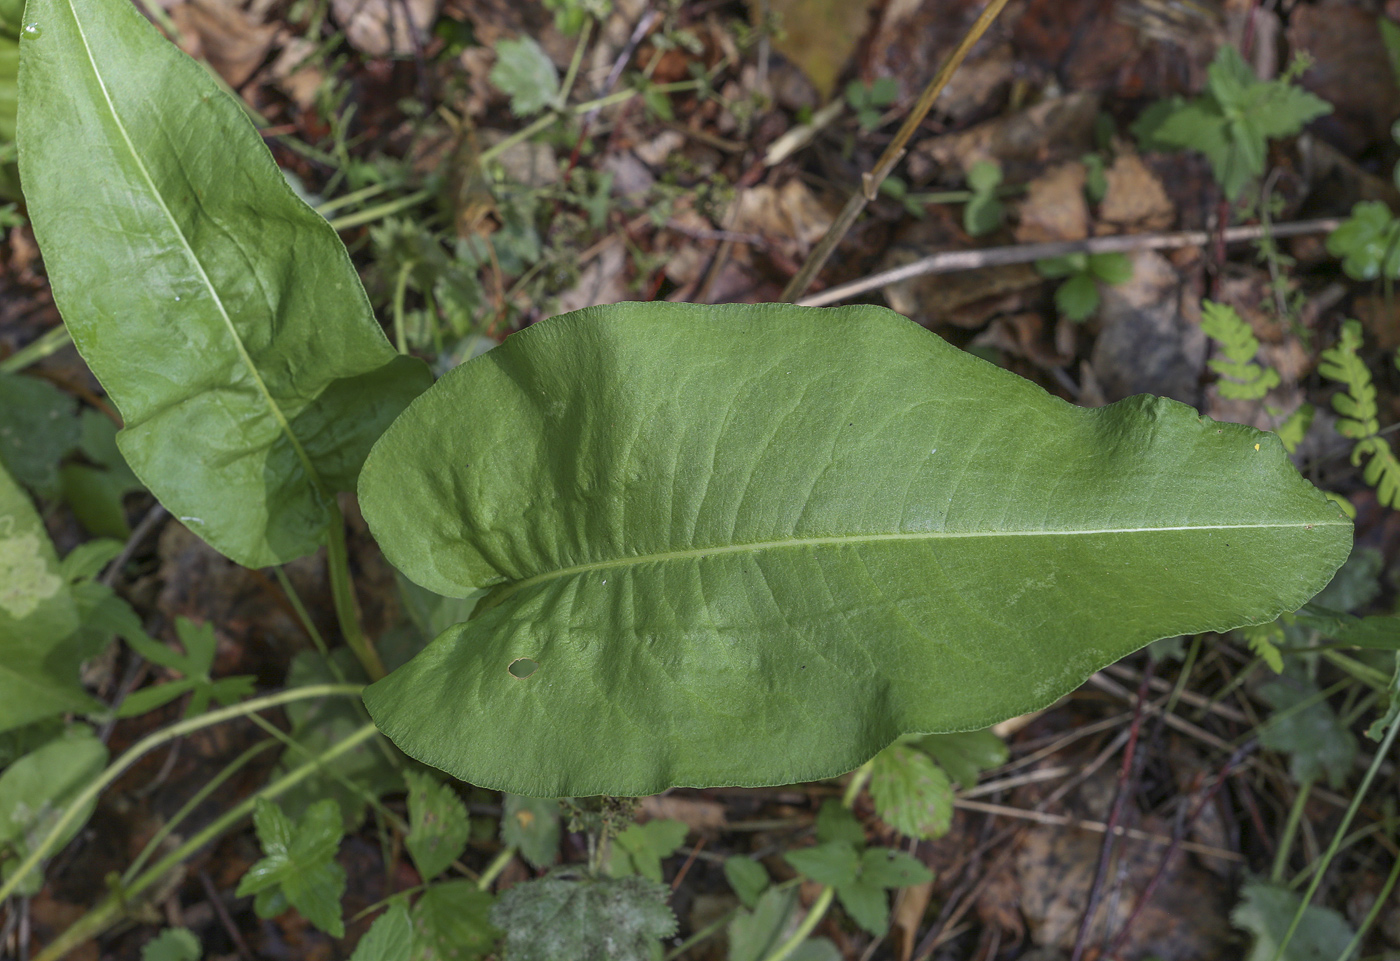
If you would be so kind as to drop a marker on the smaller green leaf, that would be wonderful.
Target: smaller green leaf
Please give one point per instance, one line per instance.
(1066, 266)
(36, 790)
(892, 869)
(582, 919)
(1317, 743)
(911, 793)
(867, 904)
(298, 867)
(524, 72)
(1078, 297)
(390, 938)
(984, 176)
(835, 822)
(95, 493)
(38, 428)
(532, 825)
(1368, 242)
(38, 619)
(639, 849)
(87, 560)
(747, 877)
(1266, 912)
(438, 825)
(1390, 36)
(173, 944)
(1379, 728)
(451, 922)
(983, 214)
(1111, 268)
(965, 755)
(835, 863)
(756, 933)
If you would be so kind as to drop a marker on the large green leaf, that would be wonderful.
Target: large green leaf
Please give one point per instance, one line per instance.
(39, 649)
(221, 313)
(755, 544)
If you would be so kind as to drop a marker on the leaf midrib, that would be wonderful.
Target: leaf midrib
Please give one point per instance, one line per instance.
(242, 349)
(845, 540)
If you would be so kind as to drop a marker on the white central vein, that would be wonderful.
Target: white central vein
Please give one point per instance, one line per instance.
(198, 266)
(506, 590)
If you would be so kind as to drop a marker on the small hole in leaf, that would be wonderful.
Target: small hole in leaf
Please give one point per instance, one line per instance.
(522, 667)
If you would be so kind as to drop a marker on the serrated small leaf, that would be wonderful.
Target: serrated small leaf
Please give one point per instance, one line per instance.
(640, 848)
(532, 825)
(558, 917)
(892, 869)
(911, 793)
(866, 903)
(835, 863)
(1266, 912)
(438, 824)
(451, 922)
(747, 877)
(298, 866)
(389, 938)
(173, 944)
(1263, 640)
(1317, 743)
(524, 72)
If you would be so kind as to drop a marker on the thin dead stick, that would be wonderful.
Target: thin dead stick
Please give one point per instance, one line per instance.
(952, 261)
(1178, 844)
(1103, 683)
(1098, 827)
(870, 182)
(1127, 782)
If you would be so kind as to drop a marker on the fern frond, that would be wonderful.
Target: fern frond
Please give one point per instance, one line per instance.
(1238, 345)
(1382, 470)
(1358, 404)
(1263, 640)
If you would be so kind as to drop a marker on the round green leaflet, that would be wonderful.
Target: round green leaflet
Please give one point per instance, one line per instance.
(754, 544)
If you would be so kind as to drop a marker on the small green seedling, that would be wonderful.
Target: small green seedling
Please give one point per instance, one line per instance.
(869, 100)
(1368, 242)
(1233, 121)
(983, 213)
(1078, 297)
(860, 875)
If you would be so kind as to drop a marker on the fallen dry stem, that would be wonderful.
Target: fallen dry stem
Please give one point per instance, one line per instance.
(953, 261)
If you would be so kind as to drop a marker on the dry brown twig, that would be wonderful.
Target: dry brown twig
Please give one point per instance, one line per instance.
(870, 182)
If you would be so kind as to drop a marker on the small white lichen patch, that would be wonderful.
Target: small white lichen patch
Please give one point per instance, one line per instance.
(25, 579)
